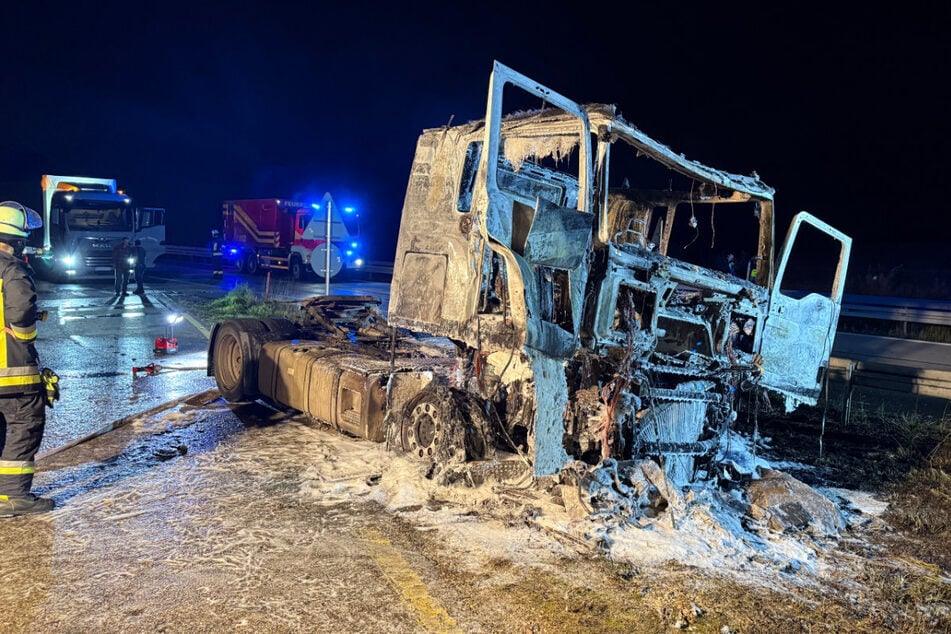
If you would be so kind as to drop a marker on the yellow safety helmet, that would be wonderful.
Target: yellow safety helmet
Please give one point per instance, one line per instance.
(17, 220)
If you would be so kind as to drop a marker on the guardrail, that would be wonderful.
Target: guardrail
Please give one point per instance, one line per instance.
(194, 253)
(892, 378)
(934, 312)
(903, 309)
(384, 269)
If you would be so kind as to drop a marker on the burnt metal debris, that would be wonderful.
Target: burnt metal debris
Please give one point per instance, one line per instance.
(553, 302)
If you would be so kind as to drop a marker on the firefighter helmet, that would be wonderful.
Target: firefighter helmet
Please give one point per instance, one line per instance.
(17, 220)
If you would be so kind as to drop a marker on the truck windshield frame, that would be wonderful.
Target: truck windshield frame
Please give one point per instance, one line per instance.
(94, 218)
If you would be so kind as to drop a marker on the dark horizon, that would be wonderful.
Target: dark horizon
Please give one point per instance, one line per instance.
(836, 111)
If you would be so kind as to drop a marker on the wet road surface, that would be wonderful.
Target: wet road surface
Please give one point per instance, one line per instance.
(210, 517)
(93, 339)
(193, 520)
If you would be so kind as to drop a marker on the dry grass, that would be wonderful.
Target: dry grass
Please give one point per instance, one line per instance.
(597, 596)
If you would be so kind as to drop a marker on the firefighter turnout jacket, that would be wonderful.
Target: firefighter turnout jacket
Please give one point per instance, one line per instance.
(19, 362)
(22, 392)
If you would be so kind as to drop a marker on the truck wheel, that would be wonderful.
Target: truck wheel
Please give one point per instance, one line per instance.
(296, 268)
(241, 263)
(433, 429)
(235, 360)
(251, 263)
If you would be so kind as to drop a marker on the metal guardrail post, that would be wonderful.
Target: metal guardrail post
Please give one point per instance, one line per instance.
(849, 389)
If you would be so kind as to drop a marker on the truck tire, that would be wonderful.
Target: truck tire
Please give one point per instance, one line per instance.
(296, 268)
(433, 429)
(236, 349)
(241, 263)
(235, 359)
(251, 263)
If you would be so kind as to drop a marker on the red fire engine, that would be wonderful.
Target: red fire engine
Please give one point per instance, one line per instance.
(273, 233)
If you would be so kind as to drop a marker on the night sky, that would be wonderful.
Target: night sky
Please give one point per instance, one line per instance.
(844, 114)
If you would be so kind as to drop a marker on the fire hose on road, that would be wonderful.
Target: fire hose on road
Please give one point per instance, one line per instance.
(153, 369)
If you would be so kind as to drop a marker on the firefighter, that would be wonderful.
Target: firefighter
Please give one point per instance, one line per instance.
(217, 270)
(731, 264)
(138, 255)
(121, 253)
(23, 397)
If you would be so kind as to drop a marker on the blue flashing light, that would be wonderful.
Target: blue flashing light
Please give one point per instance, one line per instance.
(349, 252)
(354, 245)
(349, 210)
(233, 251)
(315, 205)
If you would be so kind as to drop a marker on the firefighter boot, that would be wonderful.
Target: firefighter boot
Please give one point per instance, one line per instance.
(12, 506)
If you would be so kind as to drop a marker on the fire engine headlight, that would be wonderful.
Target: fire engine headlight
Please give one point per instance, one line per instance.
(358, 262)
(68, 260)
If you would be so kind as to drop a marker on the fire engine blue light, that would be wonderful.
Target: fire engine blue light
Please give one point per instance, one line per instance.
(349, 210)
(315, 205)
(354, 245)
(233, 251)
(349, 252)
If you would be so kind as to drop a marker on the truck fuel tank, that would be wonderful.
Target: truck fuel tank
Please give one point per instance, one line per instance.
(341, 388)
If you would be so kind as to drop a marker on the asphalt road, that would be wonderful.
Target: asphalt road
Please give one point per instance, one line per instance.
(193, 520)
(93, 340)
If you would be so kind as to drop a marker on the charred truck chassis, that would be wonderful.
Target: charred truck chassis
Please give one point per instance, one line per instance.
(535, 310)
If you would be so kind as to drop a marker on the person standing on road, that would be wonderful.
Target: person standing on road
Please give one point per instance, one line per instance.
(138, 254)
(120, 262)
(217, 270)
(22, 391)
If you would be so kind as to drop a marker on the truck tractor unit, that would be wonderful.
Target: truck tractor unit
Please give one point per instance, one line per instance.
(83, 218)
(273, 233)
(556, 301)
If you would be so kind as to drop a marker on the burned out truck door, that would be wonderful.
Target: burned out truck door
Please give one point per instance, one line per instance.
(544, 237)
(547, 237)
(799, 331)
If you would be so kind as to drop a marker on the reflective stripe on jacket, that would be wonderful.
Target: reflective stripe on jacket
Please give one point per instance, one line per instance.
(17, 467)
(19, 363)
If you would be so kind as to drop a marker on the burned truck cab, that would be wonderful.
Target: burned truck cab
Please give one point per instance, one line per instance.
(562, 250)
(600, 295)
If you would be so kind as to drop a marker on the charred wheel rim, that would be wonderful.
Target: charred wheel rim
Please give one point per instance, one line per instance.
(430, 435)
